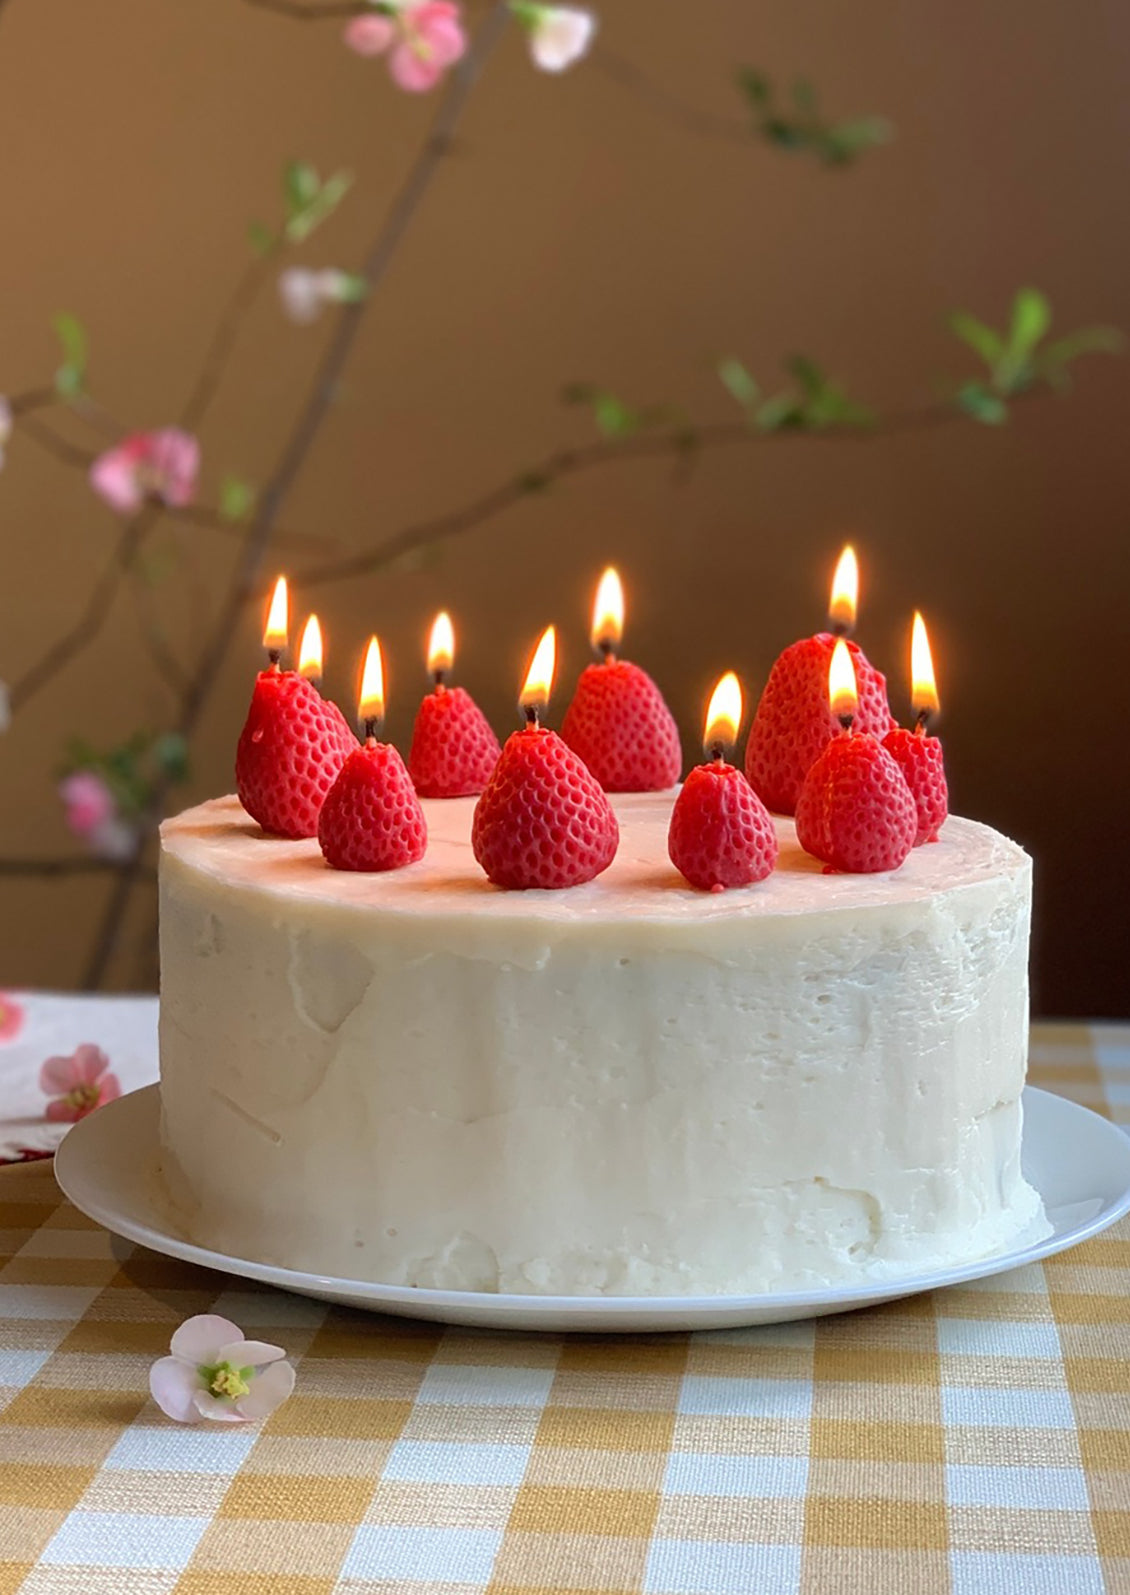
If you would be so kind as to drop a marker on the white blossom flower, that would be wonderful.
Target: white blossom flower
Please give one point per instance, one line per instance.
(560, 35)
(305, 293)
(215, 1373)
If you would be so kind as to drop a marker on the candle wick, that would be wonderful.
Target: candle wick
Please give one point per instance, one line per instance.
(530, 710)
(608, 648)
(846, 721)
(718, 752)
(274, 655)
(921, 722)
(839, 628)
(372, 726)
(437, 677)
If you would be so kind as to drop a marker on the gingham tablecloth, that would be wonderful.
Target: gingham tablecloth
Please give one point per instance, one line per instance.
(976, 1440)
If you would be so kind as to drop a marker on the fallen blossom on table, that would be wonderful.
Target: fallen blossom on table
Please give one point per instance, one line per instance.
(305, 293)
(78, 1084)
(5, 425)
(559, 35)
(215, 1373)
(92, 814)
(162, 464)
(423, 38)
(11, 1017)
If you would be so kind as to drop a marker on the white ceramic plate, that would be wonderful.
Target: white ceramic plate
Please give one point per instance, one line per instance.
(1079, 1163)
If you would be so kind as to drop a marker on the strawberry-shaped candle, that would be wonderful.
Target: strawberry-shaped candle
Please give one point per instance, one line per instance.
(618, 721)
(720, 833)
(855, 811)
(918, 755)
(793, 723)
(372, 819)
(453, 747)
(543, 820)
(293, 742)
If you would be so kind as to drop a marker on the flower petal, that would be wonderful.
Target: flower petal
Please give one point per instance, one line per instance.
(61, 1111)
(199, 1339)
(111, 1089)
(58, 1076)
(369, 35)
(414, 72)
(217, 1409)
(250, 1354)
(90, 1063)
(113, 476)
(173, 1385)
(268, 1391)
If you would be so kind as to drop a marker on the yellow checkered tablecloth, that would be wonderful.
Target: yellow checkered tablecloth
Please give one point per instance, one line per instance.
(976, 1440)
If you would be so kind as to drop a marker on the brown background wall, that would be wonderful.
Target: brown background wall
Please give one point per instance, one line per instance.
(580, 234)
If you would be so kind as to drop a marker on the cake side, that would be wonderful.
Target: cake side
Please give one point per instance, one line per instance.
(638, 1090)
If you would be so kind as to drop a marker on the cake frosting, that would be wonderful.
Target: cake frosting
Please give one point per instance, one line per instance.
(629, 1088)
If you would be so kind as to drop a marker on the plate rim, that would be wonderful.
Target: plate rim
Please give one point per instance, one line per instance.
(79, 1149)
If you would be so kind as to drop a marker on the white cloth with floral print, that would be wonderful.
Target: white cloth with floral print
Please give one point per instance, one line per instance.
(36, 1025)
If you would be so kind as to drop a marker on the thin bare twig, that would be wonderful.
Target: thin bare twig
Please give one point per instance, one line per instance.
(319, 402)
(49, 439)
(225, 337)
(54, 868)
(705, 124)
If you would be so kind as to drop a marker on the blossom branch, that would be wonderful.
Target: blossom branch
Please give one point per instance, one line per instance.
(224, 339)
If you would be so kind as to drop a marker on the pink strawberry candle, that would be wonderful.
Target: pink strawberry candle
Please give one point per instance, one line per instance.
(543, 820)
(372, 819)
(918, 755)
(618, 721)
(793, 723)
(293, 742)
(855, 810)
(453, 747)
(721, 834)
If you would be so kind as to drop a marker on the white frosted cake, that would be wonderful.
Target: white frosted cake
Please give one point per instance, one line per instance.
(627, 1088)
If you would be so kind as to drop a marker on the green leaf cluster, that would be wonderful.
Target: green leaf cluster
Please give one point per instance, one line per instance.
(237, 498)
(614, 418)
(796, 124)
(70, 378)
(1019, 357)
(132, 768)
(308, 201)
(810, 402)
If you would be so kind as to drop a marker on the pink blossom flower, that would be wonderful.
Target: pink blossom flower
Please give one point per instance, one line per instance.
(424, 38)
(78, 1084)
(215, 1373)
(5, 425)
(92, 814)
(162, 464)
(11, 1017)
(559, 35)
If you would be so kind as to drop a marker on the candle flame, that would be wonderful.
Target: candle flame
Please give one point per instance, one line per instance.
(310, 650)
(441, 644)
(724, 715)
(274, 637)
(608, 612)
(924, 691)
(845, 592)
(539, 677)
(843, 694)
(372, 705)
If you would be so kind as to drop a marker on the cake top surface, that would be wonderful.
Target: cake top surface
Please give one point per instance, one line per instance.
(219, 839)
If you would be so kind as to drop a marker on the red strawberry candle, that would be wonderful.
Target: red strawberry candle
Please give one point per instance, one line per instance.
(293, 742)
(453, 747)
(372, 819)
(855, 811)
(920, 756)
(720, 833)
(618, 722)
(793, 723)
(543, 819)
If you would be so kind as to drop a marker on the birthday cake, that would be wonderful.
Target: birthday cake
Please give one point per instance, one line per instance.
(627, 1088)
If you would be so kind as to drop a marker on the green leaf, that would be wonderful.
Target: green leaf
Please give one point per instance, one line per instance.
(985, 341)
(780, 412)
(301, 185)
(738, 382)
(843, 141)
(807, 373)
(261, 238)
(320, 206)
(1088, 340)
(1031, 318)
(755, 86)
(171, 752)
(352, 288)
(236, 498)
(977, 401)
(70, 378)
